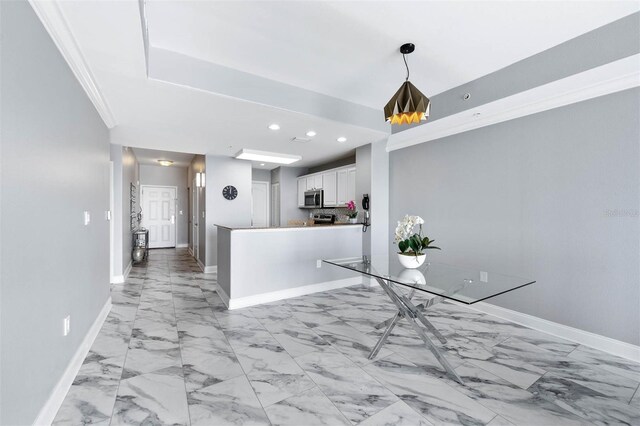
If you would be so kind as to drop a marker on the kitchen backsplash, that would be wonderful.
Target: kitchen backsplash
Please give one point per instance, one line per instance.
(340, 212)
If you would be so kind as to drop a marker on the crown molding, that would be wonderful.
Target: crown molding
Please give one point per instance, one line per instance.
(609, 78)
(56, 25)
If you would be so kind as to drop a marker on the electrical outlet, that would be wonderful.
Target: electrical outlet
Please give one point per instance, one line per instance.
(180, 212)
(87, 218)
(318, 263)
(66, 325)
(484, 276)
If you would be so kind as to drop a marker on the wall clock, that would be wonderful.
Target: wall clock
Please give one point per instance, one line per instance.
(229, 192)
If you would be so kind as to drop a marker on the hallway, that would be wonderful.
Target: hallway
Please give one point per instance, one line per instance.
(170, 353)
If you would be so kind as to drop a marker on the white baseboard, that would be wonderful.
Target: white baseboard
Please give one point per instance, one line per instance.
(596, 341)
(243, 302)
(211, 269)
(185, 245)
(200, 264)
(224, 296)
(119, 279)
(51, 407)
(190, 251)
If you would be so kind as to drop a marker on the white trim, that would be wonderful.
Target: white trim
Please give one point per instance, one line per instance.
(243, 302)
(183, 245)
(56, 25)
(191, 251)
(610, 78)
(119, 279)
(210, 269)
(50, 409)
(223, 295)
(200, 265)
(606, 344)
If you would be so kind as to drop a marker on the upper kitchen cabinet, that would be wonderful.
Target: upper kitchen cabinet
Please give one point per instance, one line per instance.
(351, 184)
(338, 185)
(330, 189)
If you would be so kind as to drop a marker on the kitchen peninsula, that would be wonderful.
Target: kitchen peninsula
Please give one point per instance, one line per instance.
(260, 265)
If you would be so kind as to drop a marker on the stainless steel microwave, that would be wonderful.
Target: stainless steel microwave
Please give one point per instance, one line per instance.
(313, 199)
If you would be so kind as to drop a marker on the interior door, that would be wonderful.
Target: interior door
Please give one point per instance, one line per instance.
(159, 215)
(260, 204)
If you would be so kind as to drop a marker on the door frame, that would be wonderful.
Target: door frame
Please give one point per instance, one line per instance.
(175, 205)
(268, 187)
(112, 234)
(195, 221)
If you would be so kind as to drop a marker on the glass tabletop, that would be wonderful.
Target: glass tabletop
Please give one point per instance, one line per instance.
(463, 285)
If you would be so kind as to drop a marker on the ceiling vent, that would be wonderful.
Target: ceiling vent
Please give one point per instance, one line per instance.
(300, 140)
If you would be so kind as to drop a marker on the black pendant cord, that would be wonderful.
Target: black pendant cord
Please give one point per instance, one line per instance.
(404, 58)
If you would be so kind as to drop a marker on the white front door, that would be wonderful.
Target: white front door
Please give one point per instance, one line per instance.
(158, 215)
(260, 204)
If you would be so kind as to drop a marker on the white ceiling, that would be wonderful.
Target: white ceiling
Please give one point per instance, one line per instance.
(349, 50)
(342, 49)
(151, 157)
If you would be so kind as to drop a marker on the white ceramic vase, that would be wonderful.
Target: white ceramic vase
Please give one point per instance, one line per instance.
(411, 261)
(353, 220)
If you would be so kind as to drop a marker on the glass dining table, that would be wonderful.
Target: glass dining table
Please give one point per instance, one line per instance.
(437, 282)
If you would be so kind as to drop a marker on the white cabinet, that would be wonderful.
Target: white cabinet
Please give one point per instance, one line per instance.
(341, 198)
(339, 186)
(351, 184)
(329, 186)
(302, 186)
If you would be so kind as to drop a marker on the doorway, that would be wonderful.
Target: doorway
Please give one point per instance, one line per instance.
(195, 206)
(159, 214)
(259, 204)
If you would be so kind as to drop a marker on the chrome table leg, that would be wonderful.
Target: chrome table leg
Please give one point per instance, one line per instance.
(385, 335)
(408, 310)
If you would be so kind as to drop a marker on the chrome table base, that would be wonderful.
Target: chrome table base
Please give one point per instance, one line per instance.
(413, 314)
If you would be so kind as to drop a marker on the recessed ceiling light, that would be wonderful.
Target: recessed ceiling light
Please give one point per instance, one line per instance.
(262, 164)
(165, 163)
(342, 139)
(274, 126)
(311, 133)
(267, 157)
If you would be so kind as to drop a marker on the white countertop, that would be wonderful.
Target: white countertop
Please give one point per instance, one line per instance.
(291, 228)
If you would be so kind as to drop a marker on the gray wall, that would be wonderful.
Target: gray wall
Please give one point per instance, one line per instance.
(198, 166)
(261, 175)
(171, 176)
(54, 165)
(289, 210)
(345, 161)
(223, 171)
(130, 174)
(117, 216)
(534, 197)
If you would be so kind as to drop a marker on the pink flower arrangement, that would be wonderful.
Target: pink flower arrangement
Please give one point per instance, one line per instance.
(353, 212)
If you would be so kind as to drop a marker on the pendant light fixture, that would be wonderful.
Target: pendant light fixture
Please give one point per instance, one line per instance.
(408, 105)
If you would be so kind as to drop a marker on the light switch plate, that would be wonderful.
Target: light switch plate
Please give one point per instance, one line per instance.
(484, 276)
(66, 325)
(87, 218)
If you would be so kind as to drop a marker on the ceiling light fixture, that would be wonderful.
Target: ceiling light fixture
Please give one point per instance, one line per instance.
(262, 164)
(408, 105)
(267, 157)
(311, 133)
(341, 139)
(274, 126)
(165, 163)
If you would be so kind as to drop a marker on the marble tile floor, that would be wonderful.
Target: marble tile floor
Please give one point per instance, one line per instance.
(170, 353)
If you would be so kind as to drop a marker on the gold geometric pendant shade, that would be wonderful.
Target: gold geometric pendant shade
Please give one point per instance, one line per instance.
(407, 106)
